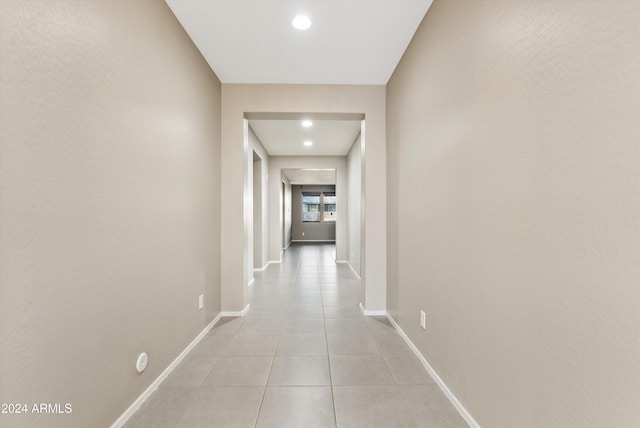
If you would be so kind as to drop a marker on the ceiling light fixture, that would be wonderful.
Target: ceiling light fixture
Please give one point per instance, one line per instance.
(307, 123)
(301, 22)
(308, 143)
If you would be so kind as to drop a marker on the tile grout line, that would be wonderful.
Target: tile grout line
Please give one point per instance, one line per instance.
(326, 338)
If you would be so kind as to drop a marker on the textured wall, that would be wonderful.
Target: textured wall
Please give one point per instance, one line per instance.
(284, 201)
(260, 203)
(514, 201)
(109, 202)
(354, 202)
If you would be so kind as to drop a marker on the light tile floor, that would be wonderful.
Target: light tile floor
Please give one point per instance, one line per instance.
(303, 357)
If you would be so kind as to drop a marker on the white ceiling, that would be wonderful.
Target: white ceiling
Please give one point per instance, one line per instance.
(349, 42)
(286, 137)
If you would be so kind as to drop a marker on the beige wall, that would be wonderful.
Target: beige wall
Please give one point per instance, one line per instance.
(260, 202)
(109, 205)
(257, 205)
(354, 202)
(285, 217)
(238, 99)
(514, 195)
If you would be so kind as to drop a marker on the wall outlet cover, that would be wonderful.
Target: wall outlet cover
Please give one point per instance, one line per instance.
(142, 362)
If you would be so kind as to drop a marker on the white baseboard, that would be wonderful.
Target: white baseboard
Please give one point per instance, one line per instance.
(312, 240)
(288, 245)
(236, 313)
(251, 282)
(346, 262)
(367, 313)
(356, 273)
(263, 267)
(443, 386)
(156, 383)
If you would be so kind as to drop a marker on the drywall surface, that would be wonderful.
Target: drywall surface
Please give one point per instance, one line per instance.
(310, 231)
(354, 198)
(239, 99)
(514, 201)
(257, 203)
(110, 177)
(285, 219)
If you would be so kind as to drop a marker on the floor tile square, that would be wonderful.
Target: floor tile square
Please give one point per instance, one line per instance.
(261, 326)
(267, 310)
(304, 312)
(371, 406)
(212, 345)
(391, 344)
(304, 326)
(239, 371)
(222, 407)
(351, 344)
(306, 301)
(192, 372)
(252, 345)
(429, 407)
(379, 325)
(359, 370)
(164, 407)
(407, 369)
(348, 326)
(343, 312)
(297, 407)
(226, 325)
(302, 344)
(300, 370)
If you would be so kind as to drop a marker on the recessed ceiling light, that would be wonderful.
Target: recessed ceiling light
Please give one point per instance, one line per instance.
(307, 123)
(308, 143)
(301, 22)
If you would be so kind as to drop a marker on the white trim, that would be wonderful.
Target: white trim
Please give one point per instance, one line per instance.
(245, 310)
(237, 313)
(443, 386)
(288, 245)
(251, 282)
(156, 383)
(263, 267)
(312, 240)
(357, 274)
(266, 266)
(367, 313)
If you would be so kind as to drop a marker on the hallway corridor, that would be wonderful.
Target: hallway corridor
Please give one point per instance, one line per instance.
(304, 356)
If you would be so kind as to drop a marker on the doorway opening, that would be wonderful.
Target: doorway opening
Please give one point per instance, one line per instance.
(316, 192)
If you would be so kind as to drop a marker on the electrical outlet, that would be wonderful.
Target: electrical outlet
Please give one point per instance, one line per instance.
(200, 302)
(423, 320)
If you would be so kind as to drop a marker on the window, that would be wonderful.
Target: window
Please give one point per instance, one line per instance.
(318, 207)
(329, 206)
(311, 207)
